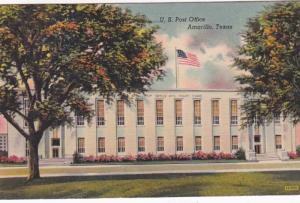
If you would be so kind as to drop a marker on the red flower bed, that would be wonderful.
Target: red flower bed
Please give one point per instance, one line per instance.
(199, 155)
(292, 155)
(13, 159)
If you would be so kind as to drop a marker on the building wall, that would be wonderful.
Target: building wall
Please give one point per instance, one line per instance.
(297, 135)
(150, 131)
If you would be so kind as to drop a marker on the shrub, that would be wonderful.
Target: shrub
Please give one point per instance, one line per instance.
(213, 156)
(13, 159)
(199, 155)
(89, 159)
(227, 156)
(3, 159)
(298, 150)
(183, 156)
(77, 158)
(292, 155)
(240, 154)
(164, 157)
(145, 157)
(128, 158)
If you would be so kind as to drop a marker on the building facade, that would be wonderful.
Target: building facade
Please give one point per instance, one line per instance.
(162, 121)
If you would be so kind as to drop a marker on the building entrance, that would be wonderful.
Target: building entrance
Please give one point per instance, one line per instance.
(55, 153)
(257, 144)
(257, 148)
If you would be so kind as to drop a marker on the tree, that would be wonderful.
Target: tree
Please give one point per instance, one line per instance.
(270, 58)
(56, 56)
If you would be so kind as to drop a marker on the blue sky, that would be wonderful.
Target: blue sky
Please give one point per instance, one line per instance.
(214, 48)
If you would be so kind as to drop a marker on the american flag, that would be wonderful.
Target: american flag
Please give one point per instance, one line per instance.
(187, 58)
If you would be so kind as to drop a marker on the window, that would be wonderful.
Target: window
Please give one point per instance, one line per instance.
(141, 144)
(121, 144)
(140, 112)
(79, 119)
(256, 138)
(215, 112)
(278, 141)
(179, 143)
(55, 133)
(216, 142)
(100, 112)
(234, 115)
(178, 112)
(159, 112)
(160, 143)
(197, 112)
(276, 118)
(234, 142)
(26, 109)
(81, 148)
(256, 129)
(120, 112)
(55, 142)
(101, 144)
(3, 142)
(198, 143)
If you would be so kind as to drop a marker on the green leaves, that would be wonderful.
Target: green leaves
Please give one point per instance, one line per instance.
(60, 54)
(270, 56)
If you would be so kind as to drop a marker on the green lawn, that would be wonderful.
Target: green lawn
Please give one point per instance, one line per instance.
(270, 183)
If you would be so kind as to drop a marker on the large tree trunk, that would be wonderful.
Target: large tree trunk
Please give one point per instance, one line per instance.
(33, 160)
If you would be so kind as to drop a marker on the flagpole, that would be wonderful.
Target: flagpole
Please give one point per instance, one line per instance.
(176, 68)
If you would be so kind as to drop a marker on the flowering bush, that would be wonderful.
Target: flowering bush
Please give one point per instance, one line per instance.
(292, 155)
(146, 157)
(13, 159)
(89, 159)
(107, 158)
(199, 155)
(183, 157)
(128, 158)
(164, 157)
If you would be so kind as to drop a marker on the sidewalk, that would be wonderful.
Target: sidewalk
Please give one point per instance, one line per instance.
(107, 170)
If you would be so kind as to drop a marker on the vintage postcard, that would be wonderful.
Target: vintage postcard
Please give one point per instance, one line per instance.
(170, 99)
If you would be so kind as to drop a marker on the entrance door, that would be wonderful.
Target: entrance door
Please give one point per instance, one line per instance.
(257, 148)
(257, 144)
(55, 153)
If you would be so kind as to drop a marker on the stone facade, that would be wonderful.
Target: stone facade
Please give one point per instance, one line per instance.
(179, 132)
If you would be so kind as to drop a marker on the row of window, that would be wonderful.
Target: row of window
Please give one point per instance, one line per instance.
(278, 140)
(159, 107)
(3, 142)
(100, 113)
(159, 144)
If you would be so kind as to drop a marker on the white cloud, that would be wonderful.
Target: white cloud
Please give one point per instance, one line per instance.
(216, 64)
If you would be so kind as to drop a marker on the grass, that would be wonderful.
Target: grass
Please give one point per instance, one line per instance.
(164, 185)
(12, 165)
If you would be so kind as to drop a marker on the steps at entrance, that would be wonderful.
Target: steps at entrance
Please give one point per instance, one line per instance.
(267, 157)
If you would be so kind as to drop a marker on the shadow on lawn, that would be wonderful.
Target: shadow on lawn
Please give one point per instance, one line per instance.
(13, 183)
(291, 176)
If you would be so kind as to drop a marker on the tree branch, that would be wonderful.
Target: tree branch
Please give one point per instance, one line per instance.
(24, 80)
(15, 124)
